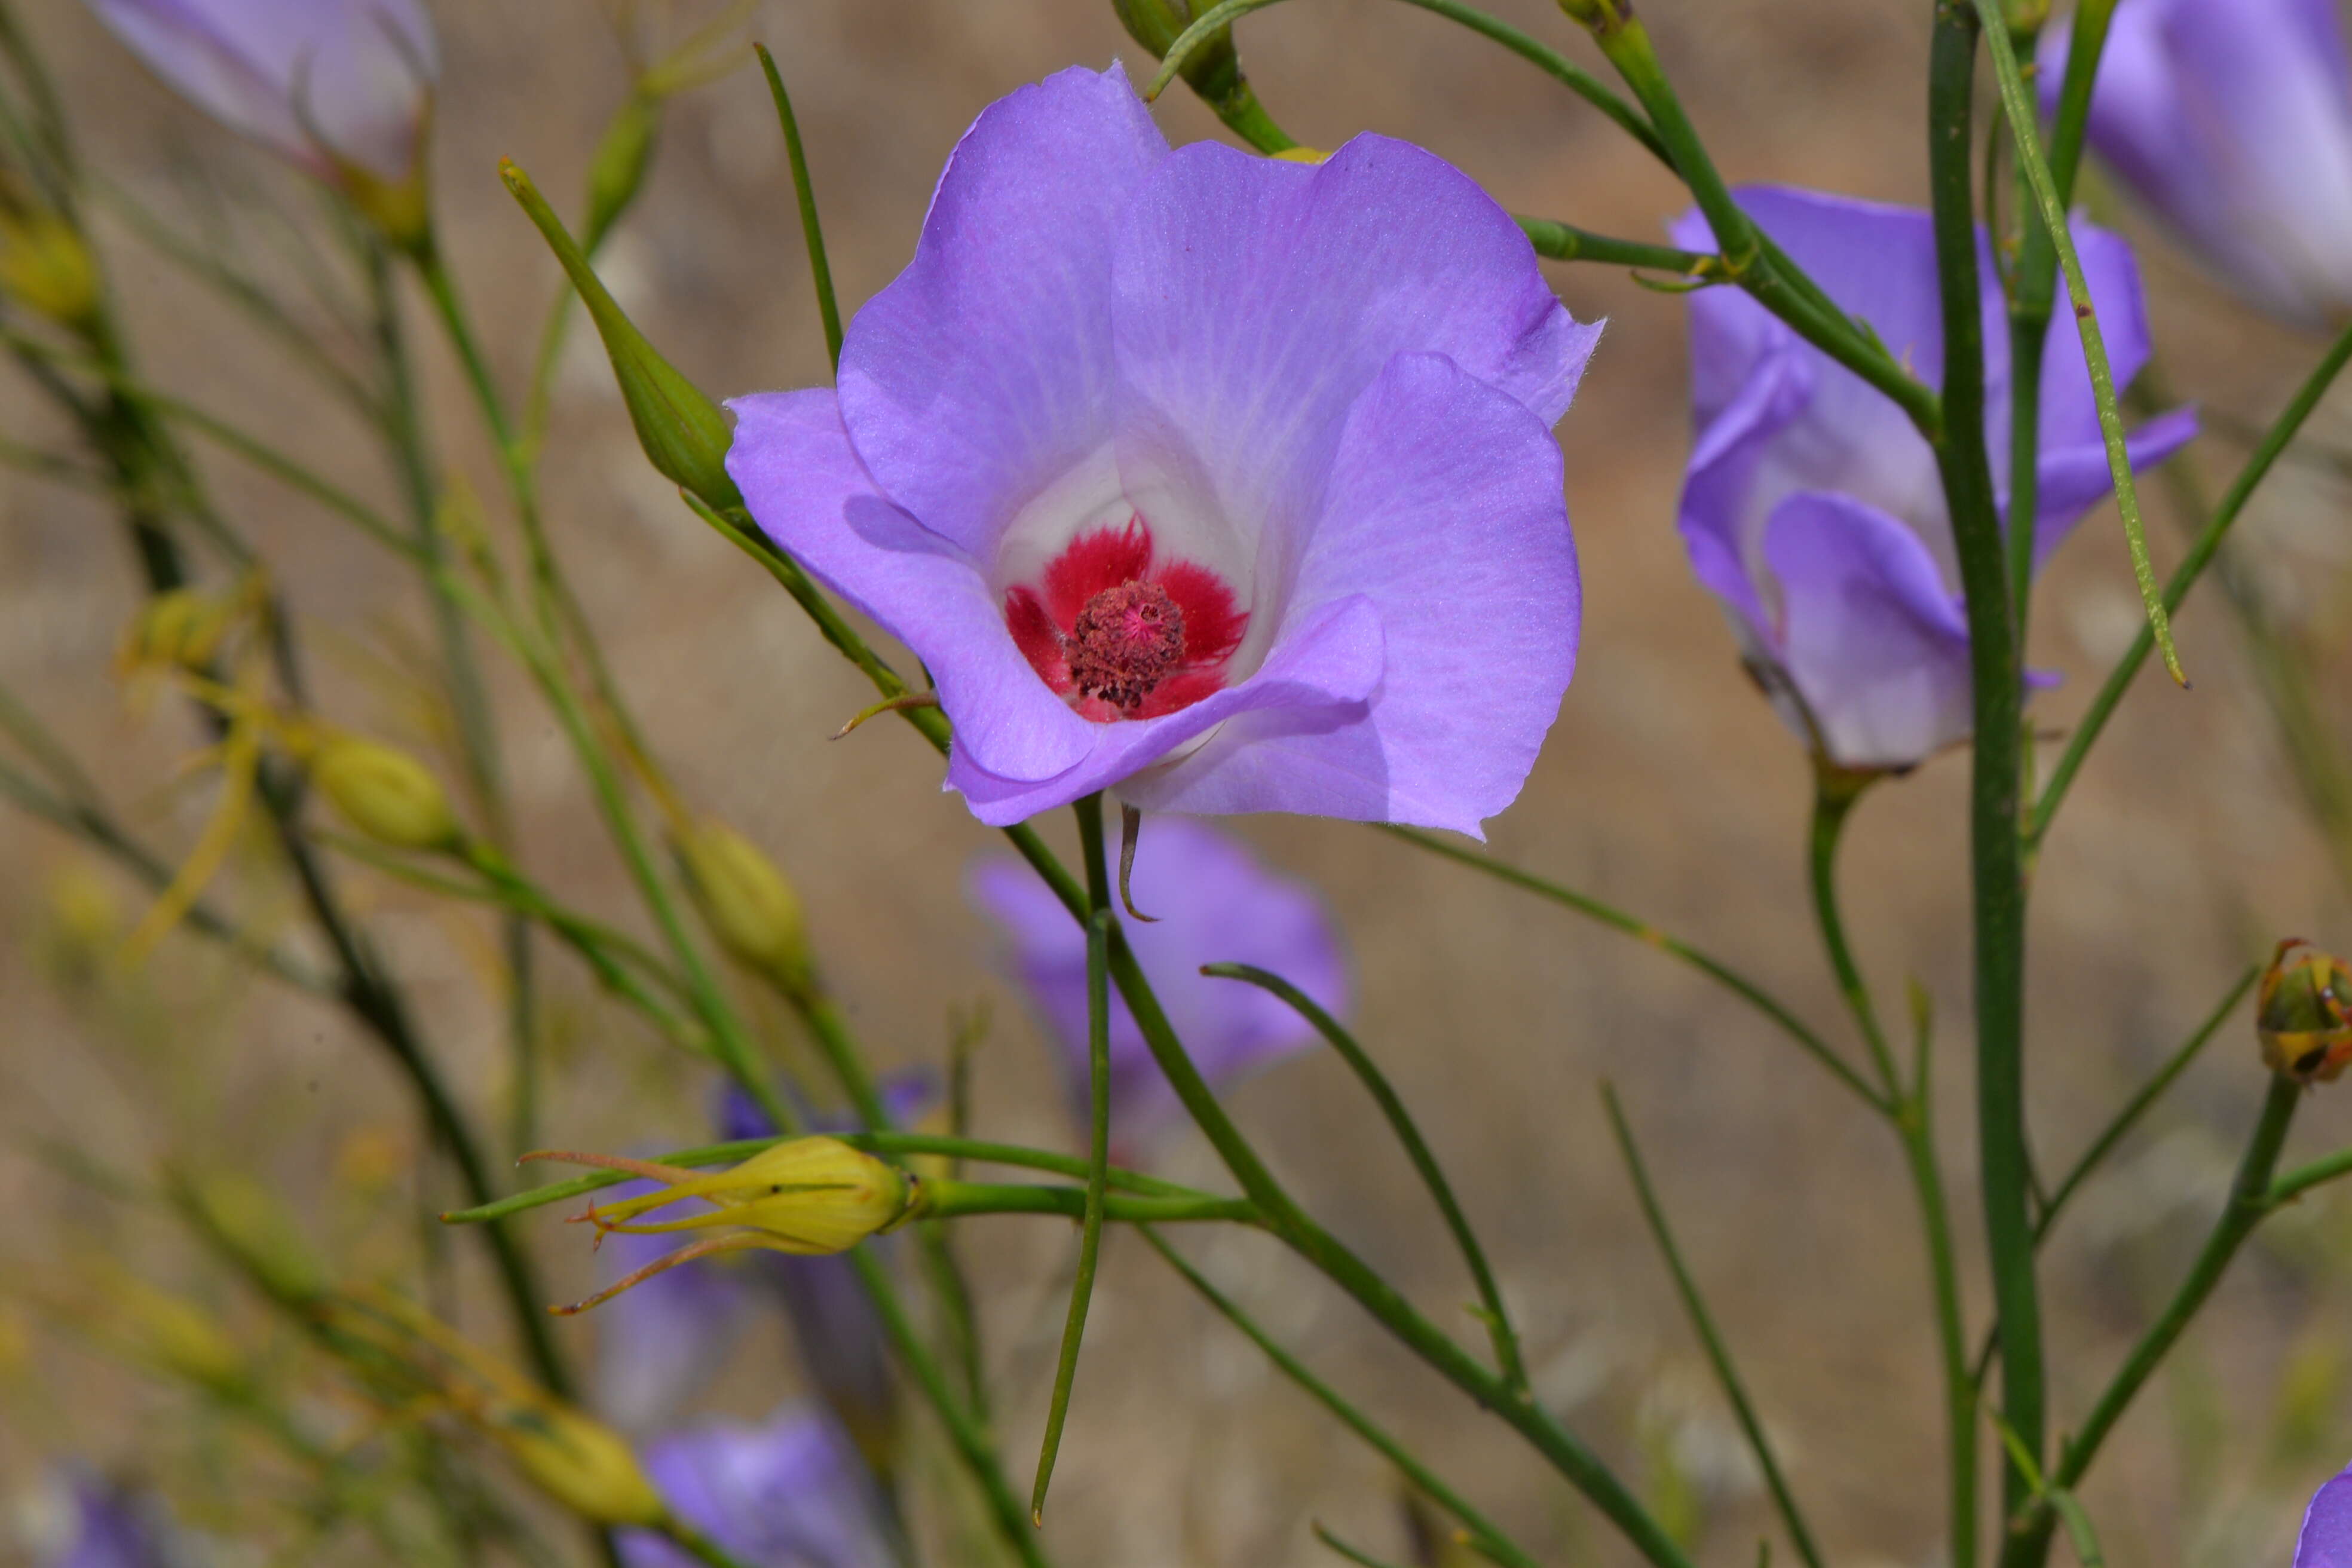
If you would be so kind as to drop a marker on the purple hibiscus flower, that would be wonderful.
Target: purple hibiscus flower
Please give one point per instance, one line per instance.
(1223, 481)
(331, 84)
(2233, 119)
(2326, 1538)
(1212, 903)
(1812, 508)
(787, 1494)
(659, 1344)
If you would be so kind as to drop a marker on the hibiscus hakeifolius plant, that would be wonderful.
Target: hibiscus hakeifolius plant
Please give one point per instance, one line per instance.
(1224, 483)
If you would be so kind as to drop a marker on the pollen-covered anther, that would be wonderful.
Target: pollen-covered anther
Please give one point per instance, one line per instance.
(1124, 642)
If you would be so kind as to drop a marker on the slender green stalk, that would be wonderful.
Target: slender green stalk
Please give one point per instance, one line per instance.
(1913, 1118)
(1486, 1536)
(478, 743)
(1557, 65)
(1356, 1555)
(2021, 112)
(1997, 863)
(977, 1150)
(1834, 795)
(696, 1545)
(804, 192)
(944, 1199)
(1099, 920)
(1641, 931)
(2258, 466)
(1718, 1353)
(1566, 242)
(2250, 1201)
(1507, 1357)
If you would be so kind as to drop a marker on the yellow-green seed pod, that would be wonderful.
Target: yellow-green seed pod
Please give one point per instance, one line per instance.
(2303, 1015)
(180, 629)
(45, 267)
(803, 1195)
(575, 1459)
(385, 793)
(749, 908)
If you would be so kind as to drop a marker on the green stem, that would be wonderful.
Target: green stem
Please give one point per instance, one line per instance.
(477, 732)
(1718, 1353)
(1835, 792)
(1565, 242)
(2250, 1201)
(1099, 921)
(1643, 932)
(1997, 862)
(1491, 1540)
(2258, 466)
(696, 1545)
(946, 1199)
(1507, 1357)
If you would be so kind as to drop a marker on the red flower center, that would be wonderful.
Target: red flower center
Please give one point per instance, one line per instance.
(1121, 633)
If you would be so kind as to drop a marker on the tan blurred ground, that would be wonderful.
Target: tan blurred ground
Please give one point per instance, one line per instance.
(1666, 786)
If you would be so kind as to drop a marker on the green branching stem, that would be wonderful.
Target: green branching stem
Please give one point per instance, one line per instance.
(1996, 671)
(1507, 1357)
(1641, 931)
(2051, 204)
(1718, 1353)
(1484, 1534)
(2257, 468)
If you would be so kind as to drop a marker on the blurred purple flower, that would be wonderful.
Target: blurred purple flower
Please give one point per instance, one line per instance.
(2326, 1538)
(1812, 508)
(322, 82)
(2233, 119)
(789, 1494)
(1222, 480)
(1214, 902)
(107, 1528)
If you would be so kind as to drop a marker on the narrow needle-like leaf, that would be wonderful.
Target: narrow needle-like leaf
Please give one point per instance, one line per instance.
(2019, 105)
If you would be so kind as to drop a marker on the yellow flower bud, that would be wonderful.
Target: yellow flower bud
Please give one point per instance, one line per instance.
(178, 630)
(2303, 1015)
(803, 1195)
(575, 1459)
(745, 901)
(45, 267)
(168, 1333)
(385, 793)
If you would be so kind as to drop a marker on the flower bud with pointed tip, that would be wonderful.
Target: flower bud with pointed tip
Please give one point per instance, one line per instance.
(749, 908)
(807, 1195)
(2303, 1015)
(683, 435)
(182, 629)
(385, 793)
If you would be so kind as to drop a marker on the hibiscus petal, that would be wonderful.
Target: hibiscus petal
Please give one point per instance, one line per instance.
(2326, 1538)
(1877, 647)
(1257, 300)
(807, 491)
(1321, 672)
(983, 372)
(1444, 510)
